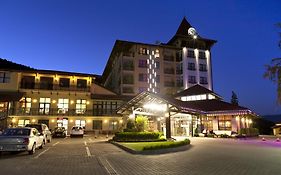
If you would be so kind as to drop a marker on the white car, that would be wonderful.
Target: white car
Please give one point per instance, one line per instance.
(21, 139)
(76, 131)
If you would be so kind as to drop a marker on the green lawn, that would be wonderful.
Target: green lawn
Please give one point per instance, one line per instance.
(140, 146)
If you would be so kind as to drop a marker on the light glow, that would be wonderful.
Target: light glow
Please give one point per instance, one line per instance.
(34, 100)
(154, 106)
(33, 120)
(14, 120)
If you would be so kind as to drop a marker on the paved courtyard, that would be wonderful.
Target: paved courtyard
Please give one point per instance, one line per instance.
(79, 156)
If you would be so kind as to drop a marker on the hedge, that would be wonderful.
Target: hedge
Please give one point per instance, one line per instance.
(137, 136)
(167, 145)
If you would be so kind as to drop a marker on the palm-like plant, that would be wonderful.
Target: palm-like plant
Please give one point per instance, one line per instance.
(273, 71)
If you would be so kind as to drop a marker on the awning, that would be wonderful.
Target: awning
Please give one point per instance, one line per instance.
(7, 96)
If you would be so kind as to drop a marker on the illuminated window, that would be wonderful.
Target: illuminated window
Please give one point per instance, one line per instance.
(63, 105)
(143, 51)
(4, 77)
(22, 123)
(224, 123)
(81, 106)
(44, 105)
(210, 96)
(81, 123)
(207, 123)
(25, 104)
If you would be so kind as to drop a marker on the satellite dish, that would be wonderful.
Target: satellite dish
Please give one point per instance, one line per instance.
(192, 32)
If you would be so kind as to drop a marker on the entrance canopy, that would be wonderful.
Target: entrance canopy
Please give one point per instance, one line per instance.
(212, 107)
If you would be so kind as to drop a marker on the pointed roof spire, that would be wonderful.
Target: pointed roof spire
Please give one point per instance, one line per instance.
(183, 27)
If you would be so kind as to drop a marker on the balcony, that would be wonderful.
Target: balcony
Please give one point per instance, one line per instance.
(60, 112)
(53, 87)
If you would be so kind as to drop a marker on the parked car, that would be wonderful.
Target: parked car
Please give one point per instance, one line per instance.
(43, 129)
(76, 131)
(21, 139)
(59, 132)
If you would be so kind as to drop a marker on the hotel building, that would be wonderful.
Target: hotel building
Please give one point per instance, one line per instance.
(167, 68)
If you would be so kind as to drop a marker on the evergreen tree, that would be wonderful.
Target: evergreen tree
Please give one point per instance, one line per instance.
(234, 98)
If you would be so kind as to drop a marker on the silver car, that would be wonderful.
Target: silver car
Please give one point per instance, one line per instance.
(21, 139)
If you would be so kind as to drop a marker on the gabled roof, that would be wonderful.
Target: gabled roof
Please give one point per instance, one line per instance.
(183, 27)
(196, 90)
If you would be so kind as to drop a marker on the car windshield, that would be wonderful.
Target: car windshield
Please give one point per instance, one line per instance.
(59, 129)
(16, 132)
(38, 127)
(76, 128)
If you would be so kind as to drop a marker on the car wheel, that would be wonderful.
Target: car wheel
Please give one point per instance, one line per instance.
(32, 151)
(41, 146)
(49, 140)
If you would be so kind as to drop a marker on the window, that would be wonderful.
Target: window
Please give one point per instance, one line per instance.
(46, 83)
(22, 123)
(129, 90)
(105, 107)
(128, 64)
(207, 123)
(81, 106)
(190, 53)
(224, 123)
(28, 82)
(81, 83)
(63, 105)
(202, 55)
(128, 79)
(44, 105)
(143, 51)
(157, 64)
(81, 123)
(179, 68)
(25, 104)
(192, 79)
(64, 82)
(113, 125)
(143, 77)
(142, 63)
(4, 77)
(203, 67)
(179, 82)
(191, 66)
(97, 124)
(3, 106)
(203, 80)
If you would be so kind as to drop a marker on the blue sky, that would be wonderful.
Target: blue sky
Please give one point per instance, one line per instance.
(79, 35)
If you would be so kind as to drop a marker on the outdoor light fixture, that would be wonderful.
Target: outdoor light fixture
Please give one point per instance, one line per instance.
(14, 120)
(156, 107)
(131, 116)
(120, 121)
(52, 120)
(88, 121)
(158, 119)
(71, 102)
(33, 120)
(105, 121)
(71, 121)
(192, 32)
(54, 101)
(88, 102)
(34, 100)
(237, 118)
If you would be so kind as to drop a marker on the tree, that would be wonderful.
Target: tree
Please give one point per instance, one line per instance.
(273, 70)
(141, 123)
(234, 98)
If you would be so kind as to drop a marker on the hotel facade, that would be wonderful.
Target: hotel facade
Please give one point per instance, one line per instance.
(56, 98)
(171, 84)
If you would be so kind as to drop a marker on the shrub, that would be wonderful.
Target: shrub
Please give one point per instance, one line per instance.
(167, 145)
(141, 123)
(211, 135)
(224, 136)
(249, 132)
(137, 136)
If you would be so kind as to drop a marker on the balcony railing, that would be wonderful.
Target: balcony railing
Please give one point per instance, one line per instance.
(53, 87)
(61, 112)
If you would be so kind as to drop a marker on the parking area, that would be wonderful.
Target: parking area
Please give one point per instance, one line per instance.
(90, 155)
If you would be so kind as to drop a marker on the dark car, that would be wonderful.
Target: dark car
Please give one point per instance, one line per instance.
(59, 132)
(44, 130)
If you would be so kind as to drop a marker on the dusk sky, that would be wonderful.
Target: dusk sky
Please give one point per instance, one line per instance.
(78, 36)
